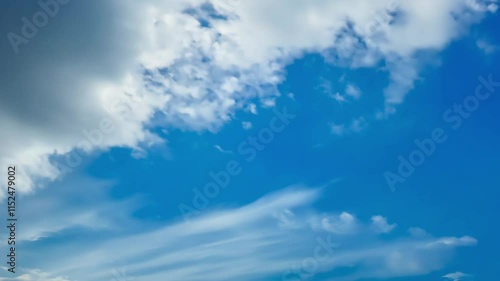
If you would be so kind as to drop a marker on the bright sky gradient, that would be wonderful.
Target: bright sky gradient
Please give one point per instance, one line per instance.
(269, 140)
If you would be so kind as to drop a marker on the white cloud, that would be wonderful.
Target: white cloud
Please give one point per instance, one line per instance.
(246, 125)
(357, 125)
(418, 232)
(456, 276)
(179, 73)
(486, 47)
(257, 241)
(267, 103)
(74, 204)
(219, 148)
(34, 275)
(252, 108)
(286, 218)
(139, 153)
(380, 224)
(344, 223)
(353, 91)
(337, 129)
(338, 97)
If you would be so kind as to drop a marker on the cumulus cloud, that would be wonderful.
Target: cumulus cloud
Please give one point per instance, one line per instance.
(344, 223)
(122, 67)
(381, 225)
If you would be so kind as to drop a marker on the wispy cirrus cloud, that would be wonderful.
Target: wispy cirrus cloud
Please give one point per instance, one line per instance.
(34, 275)
(263, 239)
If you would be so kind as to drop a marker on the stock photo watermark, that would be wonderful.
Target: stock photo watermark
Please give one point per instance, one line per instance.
(11, 218)
(247, 149)
(30, 26)
(310, 265)
(454, 118)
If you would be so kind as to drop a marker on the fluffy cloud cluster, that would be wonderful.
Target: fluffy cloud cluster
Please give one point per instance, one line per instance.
(100, 75)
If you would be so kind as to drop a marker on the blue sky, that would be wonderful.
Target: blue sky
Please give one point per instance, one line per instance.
(227, 140)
